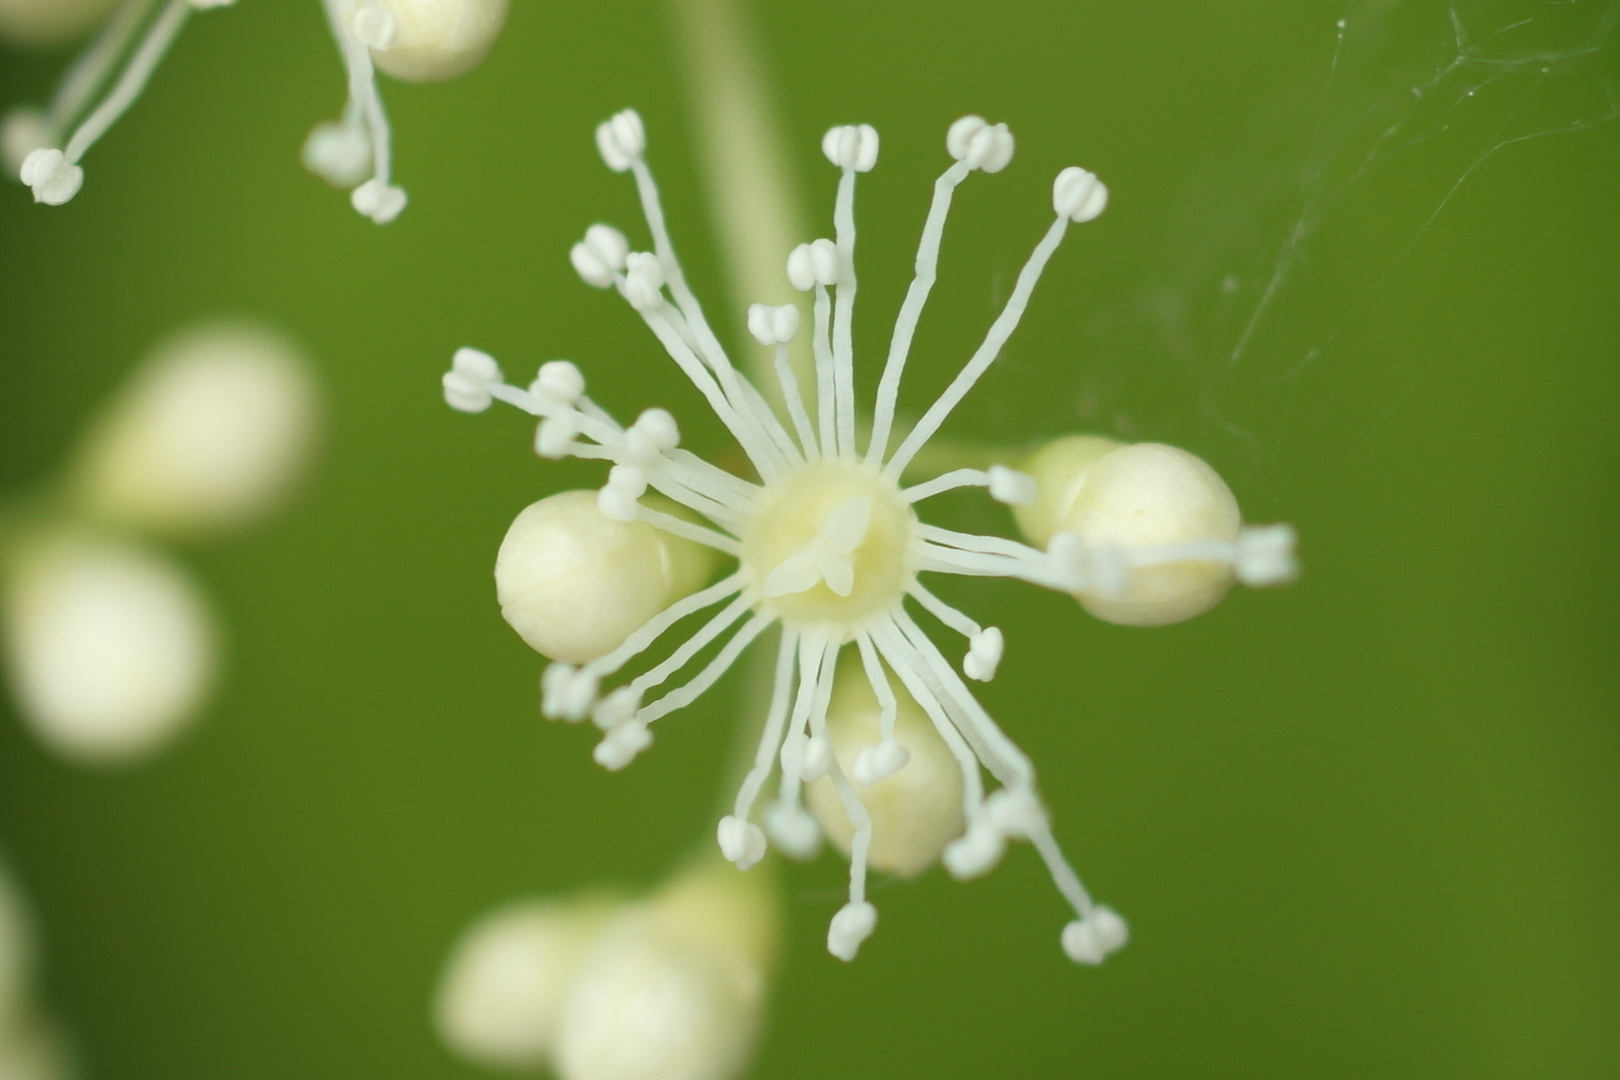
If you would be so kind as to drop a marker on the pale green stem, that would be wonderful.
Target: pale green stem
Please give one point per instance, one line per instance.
(753, 199)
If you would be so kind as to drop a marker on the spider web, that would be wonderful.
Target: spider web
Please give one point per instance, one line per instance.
(1258, 320)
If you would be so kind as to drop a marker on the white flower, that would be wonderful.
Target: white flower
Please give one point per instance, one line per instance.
(827, 541)
(416, 40)
(210, 434)
(110, 647)
(503, 990)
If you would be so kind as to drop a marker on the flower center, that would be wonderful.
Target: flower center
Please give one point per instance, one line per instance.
(831, 543)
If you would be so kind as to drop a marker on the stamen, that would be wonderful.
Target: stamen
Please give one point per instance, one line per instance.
(1077, 196)
(679, 699)
(376, 198)
(775, 720)
(692, 646)
(853, 149)
(687, 530)
(957, 478)
(655, 627)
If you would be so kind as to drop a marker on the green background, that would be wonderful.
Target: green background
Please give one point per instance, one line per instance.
(1366, 826)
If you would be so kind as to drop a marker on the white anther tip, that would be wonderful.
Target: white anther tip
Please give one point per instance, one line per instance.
(615, 709)
(621, 140)
(816, 758)
(600, 255)
(741, 842)
(975, 852)
(773, 325)
(643, 280)
(980, 144)
(53, 180)
(559, 383)
(1015, 813)
(620, 746)
(812, 264)
(374, 26)
(793, 830)
(562, 695)
(850, 928)
(851, 146)
(1090, 940)
(1265, 556)
(380, 202)
(984, 654)
(1078, 195)
(879, 762)
(1012, 487)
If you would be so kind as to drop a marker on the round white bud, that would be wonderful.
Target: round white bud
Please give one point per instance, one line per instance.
(41, 23)
(575, 584)
(110, 648)
(1116, 499)
(502, 991)
(212, 432)
(916, 810)
(429, 40)
(675, 988)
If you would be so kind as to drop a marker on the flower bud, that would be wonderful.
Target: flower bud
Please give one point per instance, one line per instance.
(42, 23)
(430, 40)
(675, 989)
(1119, 499)
(502, 991)
(915, 811)
(110, 649)
(575, 583)
(212, 431)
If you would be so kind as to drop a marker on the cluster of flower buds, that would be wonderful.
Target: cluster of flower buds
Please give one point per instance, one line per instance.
(670, 987)
(109, 644)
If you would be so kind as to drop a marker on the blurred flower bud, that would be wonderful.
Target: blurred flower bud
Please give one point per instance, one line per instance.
(210, 433)
(502, 991)
(575, 583)
(1123, 499)
(917, 809)
(32, 1049)
(429, 40)
(675, 989)
(40, 23)
(109, 647)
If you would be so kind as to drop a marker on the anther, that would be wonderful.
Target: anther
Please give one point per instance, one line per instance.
(618, 498)
(53, 179)
(980, 144)
(741, 842)
(975, 852)
(620, 746)
(338, 153)
(378, 201)
(1011, 487)
(1078, 195)
(879, 762)
(1090, 940)
(643, 281)
(793, 830)
(815, 758)
(1265, 555)
(558, 383)
(773, 325)
(616, 708)
(467, 383)
(984, 654)
(600, 255)
(850, 928)
(555, 436)
(852, 146)
(1015, 813)
(653, 433)
(621, 140)
(374, 26)
(812, 264)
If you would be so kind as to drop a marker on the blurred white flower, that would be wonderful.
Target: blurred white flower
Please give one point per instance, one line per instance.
(110, 648)
(502, 991)
(16, 950)
(210, 434)
(671, 987)
(415, 40)
(30, 1046)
